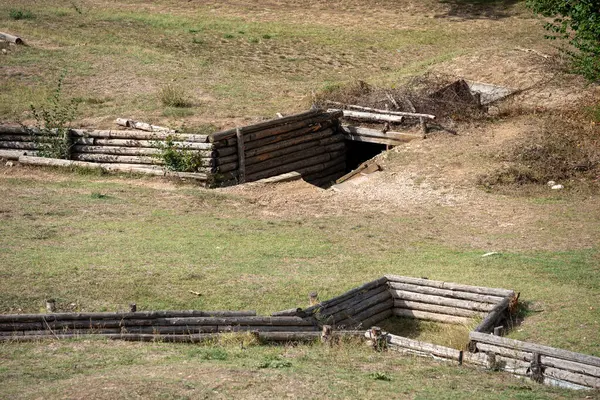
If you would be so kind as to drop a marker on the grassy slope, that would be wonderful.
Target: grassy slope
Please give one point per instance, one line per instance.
(234, 60)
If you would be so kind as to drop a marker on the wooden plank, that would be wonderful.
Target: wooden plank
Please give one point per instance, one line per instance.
(143, 126)
(107, 158)
(532, 347)
(288, 177)
(451, 286)
(584, 380)
(369, 139)
(434, 349)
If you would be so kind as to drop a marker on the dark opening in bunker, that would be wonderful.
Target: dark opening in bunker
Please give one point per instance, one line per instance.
(359, 152)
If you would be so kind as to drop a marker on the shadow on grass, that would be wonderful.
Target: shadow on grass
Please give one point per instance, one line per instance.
(478, 9)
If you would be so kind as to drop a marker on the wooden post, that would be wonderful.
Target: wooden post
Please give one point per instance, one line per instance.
(313, 298)
(132, 307)
(423, 127)
(536, 370)
(499, 330)
(326, 334)
(378, 338)
(241, 156)
(51, 305)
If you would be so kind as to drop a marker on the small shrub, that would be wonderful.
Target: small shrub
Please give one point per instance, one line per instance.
(176, 158)
(274, 362)
(380, 376)
(228, 36)
(18, 14)
(172, 96)
(53, 121)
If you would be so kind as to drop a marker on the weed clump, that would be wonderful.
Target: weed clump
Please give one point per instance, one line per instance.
(177, 158)
(172, 96)
(18, 14)
(563, 150)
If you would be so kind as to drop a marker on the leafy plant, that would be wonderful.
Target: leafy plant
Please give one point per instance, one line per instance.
(380, 376)
(578, 22)
(18, 14)
(274, 362)
(177, 158)
(172, 96)
(53, 121)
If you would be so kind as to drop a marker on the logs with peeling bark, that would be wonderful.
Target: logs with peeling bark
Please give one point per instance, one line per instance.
(307, 143)
(555, 366)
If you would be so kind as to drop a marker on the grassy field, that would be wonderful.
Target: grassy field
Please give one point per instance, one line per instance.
(234, 59)
(98, 242)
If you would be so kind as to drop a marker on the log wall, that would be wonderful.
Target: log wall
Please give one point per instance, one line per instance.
(309, 143)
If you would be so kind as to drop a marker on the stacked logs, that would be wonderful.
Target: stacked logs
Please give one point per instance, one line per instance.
(360, 307)
(168, 325)
(308, 143)
(16, 141)
(448, 302)
(540, 363)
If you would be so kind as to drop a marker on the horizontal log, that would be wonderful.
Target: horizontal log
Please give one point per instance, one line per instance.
(411, 344)
(416, 305)
(376, 318)
(131, 151)
(537, 348)
(584, 380)
(396, 136)
(143, 126)
(230, 133)
(140, 143)
(266, 328)
(429, 316)
(491, 320)
(289, 177)
(106, 158)
(545, 360)
(123, 315)
(451, 293)
(281, 133)
(291, 158)
(369, 139)
(321, 139)
(357, 319)
(275, 159)
(295, 166)
(334, 169)
(18, 145)
(376, 294)
(137, 135)
(344, 296)
(294, 142)
(451, 286)
(291, 312)
(16, 138)
(11, 38)
(371, 117)
(15, 154)
(379, 111)
(441, 301)
(362, 303)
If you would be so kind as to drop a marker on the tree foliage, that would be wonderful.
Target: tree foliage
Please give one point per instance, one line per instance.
(577, 21)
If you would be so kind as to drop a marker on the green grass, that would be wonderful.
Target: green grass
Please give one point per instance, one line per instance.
(93, 369)
(149, 46)
(103, 245)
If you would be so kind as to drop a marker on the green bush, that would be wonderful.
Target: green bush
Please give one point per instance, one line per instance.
(578, 22)
(172, 96)
(178, 159)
